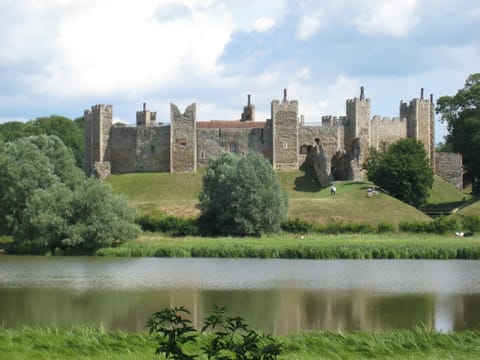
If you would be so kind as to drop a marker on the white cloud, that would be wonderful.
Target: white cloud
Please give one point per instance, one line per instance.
(264, 23)
(115, 46)
(389, 17)
(309, 24)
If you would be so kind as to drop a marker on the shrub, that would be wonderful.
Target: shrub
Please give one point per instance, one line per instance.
(297, 226)
(470, 222)
(242, 196)
(171, 225)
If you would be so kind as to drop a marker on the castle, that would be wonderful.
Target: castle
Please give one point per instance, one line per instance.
(336, 148)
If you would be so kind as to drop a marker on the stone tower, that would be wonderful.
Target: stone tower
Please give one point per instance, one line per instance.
(285, 133)
(98, 122)
(248, 113)
(357, 134)
(146, 117)
(183, 139)
(420, 115)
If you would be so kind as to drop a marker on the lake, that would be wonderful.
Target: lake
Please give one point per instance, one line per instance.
(279, 296)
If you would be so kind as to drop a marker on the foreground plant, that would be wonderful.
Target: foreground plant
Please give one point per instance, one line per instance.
(225, 337)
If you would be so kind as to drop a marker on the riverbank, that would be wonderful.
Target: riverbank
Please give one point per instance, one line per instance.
(93, 343)
(309, 246)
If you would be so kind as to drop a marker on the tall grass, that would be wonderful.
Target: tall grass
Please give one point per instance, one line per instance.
(93, 343)
(310, 246)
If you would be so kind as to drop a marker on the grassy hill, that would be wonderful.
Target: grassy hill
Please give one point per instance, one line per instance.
(177, 194)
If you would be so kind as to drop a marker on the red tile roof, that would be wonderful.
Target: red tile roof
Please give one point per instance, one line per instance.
(228, 124)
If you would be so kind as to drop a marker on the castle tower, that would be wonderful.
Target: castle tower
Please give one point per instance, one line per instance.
(285, 133)
(146, 117)
(248, 111)
(358, 117)
(98, 122)
(420, 115)
(183, 139)
(432, 132)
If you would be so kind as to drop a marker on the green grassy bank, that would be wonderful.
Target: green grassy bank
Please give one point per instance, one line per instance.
(93, 343)
(177, 194)
(288, 246)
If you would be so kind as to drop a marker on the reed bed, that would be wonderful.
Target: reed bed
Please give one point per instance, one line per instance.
(310, 246)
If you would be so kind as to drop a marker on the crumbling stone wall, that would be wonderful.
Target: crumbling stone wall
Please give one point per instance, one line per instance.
(183, 139)
(449, 167)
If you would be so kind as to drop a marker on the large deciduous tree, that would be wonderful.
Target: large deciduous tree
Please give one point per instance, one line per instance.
(461, 112)
(403, 171)
(242, 196)
(70, 132)
(48, 204)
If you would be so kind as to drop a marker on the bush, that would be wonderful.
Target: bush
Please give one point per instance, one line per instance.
(242, 196)
(170, 225)
(470, 222)
(439, 225)
(297, 226)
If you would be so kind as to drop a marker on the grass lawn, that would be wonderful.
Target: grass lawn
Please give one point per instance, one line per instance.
(95, 344)
(177, 194)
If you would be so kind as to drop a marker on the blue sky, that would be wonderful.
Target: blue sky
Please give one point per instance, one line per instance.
(62, 56)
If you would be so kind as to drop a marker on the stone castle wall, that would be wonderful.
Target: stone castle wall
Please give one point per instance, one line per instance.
(337, 148)
(449, 167)
(386, 131)
(212, 142)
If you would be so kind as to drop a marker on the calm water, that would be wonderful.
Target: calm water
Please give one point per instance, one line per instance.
(281, 296)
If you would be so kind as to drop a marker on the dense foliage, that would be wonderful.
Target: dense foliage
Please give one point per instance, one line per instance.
(227, 337)
(461, 112)
(403, 171)
(48, 204)
(242, 196)
(70, 132)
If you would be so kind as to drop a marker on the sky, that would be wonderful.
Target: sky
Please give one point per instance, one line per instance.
(63, 56)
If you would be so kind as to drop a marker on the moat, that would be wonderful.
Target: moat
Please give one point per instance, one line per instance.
(280, 296)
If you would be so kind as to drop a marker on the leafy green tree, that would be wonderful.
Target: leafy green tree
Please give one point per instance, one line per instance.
(70, 132)
(242, 196)
(48, 204)
(461, 112)
(403, 171)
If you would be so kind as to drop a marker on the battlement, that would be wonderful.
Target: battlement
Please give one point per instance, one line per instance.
(389, 119)
(285, 105)
(99, 108)
(331, 120)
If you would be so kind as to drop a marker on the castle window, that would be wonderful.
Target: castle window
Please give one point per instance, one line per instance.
(304, 149)
(202, 155)
(182, 142)
(152, 149)
(234, 148)
(285, 145)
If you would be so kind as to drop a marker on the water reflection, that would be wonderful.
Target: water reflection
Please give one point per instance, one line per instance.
(275, 295)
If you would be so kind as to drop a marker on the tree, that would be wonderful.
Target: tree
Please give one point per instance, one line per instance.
(48, 204)
(242, 196)
(70, 132)
(461, 112)
(403, 171)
